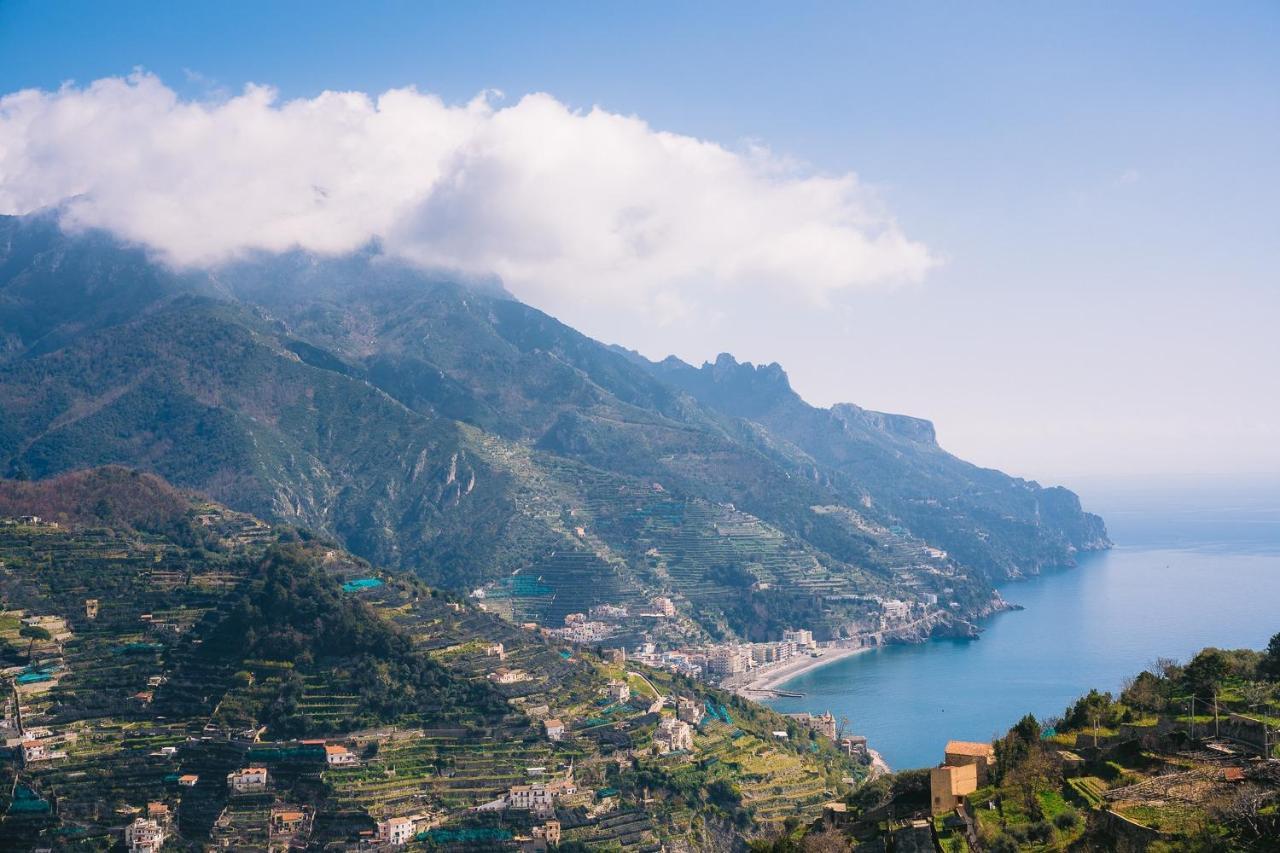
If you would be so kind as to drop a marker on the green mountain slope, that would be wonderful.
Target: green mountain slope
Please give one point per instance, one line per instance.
(182, 642)
(479, 442)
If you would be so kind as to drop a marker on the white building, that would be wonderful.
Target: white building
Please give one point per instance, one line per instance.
(728, 660)
(248, 780)
(895, 610)
(531, 797)
(605, 612)
(800, 636)
(339, 756)
(34, 750)
(689, 710)
(619, 691)
(772, 652)
(673, 735)
(144, 836)
(396, 830)
(555, 729)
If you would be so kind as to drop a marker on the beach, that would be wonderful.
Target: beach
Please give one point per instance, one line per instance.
(766, 681)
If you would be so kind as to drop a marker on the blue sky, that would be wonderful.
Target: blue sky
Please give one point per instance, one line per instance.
(1098, 180)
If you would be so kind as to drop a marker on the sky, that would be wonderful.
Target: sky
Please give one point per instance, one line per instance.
(1052, 229)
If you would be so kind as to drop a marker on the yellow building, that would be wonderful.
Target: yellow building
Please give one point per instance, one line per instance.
(948, 786)
(961, 752)
(963, 770)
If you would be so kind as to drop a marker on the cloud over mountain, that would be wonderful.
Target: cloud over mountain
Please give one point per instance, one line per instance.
(559, 203)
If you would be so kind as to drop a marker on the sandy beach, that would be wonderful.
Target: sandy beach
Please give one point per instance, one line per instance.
(769, 680)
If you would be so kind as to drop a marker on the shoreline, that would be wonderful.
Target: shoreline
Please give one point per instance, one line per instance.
(771, 680)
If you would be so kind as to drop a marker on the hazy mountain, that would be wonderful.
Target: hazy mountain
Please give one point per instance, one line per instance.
(450, 429)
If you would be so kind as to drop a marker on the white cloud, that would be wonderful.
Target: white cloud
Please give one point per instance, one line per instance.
(561, 204)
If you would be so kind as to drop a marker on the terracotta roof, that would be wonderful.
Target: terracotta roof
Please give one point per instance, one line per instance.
(331, 749)
(1233, 774)
(968, 747)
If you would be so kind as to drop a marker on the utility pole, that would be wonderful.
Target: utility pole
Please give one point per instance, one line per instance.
(1215, 713)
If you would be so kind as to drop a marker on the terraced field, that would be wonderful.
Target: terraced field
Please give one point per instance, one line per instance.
(591, 537)
(146, 699)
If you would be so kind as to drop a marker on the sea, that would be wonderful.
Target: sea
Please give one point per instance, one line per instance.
(1195, 564)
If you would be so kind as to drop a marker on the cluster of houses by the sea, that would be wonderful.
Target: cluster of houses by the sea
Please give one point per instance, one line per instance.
(718, 661)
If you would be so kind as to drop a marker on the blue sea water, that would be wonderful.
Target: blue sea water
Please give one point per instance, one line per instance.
(1183, 575)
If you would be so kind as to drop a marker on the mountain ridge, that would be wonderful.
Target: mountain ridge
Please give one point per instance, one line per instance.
(453, 430)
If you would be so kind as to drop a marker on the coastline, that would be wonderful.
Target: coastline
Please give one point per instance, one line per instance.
(879, 767)
(771, 679)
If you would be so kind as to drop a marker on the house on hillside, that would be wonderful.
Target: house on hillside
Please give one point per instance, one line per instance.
(673, 736)
(336, 755)
(502, 675)
(545, 835)
(963, 771)
(34, 750)
(824, 724)
(555, 729)
(689, 710)
(144, 836)
(958, 753)
(249, 780)
(396, 831)
(619, 691)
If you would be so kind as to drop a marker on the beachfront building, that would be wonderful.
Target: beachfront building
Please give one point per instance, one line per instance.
(766, 653)
(802, 637)
(728, 660)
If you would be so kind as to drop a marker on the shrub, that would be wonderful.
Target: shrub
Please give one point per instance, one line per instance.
(1041, 832)
(1003, 844)
(1066, 820)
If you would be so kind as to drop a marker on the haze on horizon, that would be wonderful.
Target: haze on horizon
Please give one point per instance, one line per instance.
(1052, 232)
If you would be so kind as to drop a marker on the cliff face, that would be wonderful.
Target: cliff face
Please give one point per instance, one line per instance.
(892, 465)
